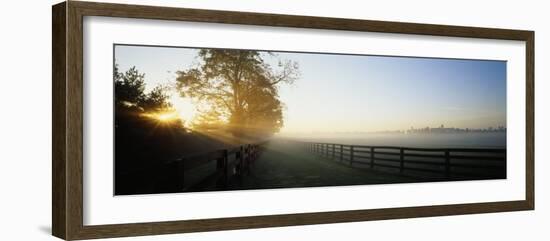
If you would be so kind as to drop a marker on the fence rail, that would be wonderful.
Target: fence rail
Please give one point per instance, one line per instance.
(229, 162)
(442, 162)
(170, 176)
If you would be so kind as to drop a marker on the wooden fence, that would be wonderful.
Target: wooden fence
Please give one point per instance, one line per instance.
(171, 176)
(229, 162)
(457, 163)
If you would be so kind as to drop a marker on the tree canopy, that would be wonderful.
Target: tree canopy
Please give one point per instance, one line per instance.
(133, 104)
(239, 88)
(130, 90)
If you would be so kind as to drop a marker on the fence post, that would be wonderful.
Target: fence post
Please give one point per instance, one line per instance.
(250, 153)
(221, 166)
(239, 161)
(447, 164)
(401, 160)
(242, 163)
(351, 155)
(341, 152)
(372, 157)
(326, 150)
(225, 167)
(181, 174)
(247, 163)
(333, 150)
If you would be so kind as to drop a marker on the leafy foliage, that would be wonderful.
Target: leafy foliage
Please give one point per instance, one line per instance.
(136, 109)
(129, 86)
(240, 87)
(156, 100)
(130, 91)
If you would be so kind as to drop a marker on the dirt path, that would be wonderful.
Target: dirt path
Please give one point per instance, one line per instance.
(284, 165)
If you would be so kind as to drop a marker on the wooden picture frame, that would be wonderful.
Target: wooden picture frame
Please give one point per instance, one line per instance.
(67, 150)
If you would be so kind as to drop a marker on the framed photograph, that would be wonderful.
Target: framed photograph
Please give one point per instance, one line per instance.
(171, 120)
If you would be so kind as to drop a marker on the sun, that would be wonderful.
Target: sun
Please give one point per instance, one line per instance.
(167, 116)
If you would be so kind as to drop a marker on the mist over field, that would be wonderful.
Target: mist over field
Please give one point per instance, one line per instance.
(424, 140)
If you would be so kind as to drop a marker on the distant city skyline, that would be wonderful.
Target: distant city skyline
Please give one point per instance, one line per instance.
(427, 129)
(358, 93)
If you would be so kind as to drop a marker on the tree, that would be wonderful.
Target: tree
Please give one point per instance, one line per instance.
(239, 86)
(129, 86)
(210, 119)
(133, 105)
(130, 91)
(156, 100)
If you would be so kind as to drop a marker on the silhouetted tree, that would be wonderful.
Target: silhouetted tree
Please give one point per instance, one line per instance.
(239, 85)
(130, 91)
(133, 106)
(129, 86)
(156, 100)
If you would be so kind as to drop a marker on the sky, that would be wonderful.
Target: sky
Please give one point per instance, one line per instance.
(358, 93)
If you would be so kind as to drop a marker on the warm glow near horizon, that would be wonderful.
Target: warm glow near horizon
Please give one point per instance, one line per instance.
(163, 116)
(185, 108)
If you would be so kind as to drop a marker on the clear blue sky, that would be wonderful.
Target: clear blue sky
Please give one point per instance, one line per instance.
(350, 93)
